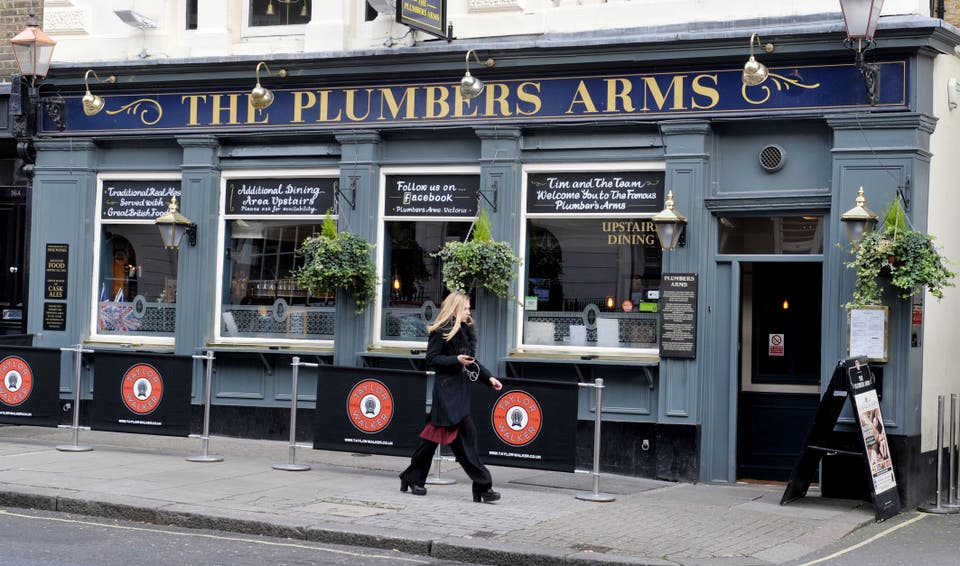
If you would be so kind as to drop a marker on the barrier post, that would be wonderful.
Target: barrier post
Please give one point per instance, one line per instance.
(77, 362)
(437, 479)
(205, 439)
(951, 472)
(598, 417)
(291, 465)
(936, 507)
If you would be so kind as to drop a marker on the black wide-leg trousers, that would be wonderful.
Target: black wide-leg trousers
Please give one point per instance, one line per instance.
(464, 447)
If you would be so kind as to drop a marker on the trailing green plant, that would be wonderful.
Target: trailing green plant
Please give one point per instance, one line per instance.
(480, 262)
(337, 260)
(906, 259)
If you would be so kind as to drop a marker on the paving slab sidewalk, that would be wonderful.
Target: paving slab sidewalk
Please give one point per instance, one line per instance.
(353, 499)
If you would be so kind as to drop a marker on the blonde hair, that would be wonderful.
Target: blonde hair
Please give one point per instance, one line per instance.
(452, 309)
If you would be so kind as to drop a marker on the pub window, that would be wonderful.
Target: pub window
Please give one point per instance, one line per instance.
(592, 265)
(136, 278)
(191, 15)
(265, 221)
(278, 12)
(422, 212)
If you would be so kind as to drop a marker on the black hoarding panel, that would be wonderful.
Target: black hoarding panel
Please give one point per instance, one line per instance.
(29, 386)
(142, 393)
(527, 424)
(369, 410)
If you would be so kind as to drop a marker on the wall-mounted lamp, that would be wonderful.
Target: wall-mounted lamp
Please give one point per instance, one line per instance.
(859, 220)
(470, 86)
(860, 18)
(261, 98)
(670, 224)
(93, 104)
(33, 50)
(173, 226)
(755, 72)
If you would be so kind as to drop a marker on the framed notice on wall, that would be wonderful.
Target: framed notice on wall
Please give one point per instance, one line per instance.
(867, 330)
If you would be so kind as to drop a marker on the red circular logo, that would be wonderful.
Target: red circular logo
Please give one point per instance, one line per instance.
(17, 381)
(370, 406)
(517, 419)
(142, 389)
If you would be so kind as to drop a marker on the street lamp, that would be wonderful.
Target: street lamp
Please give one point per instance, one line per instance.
(173, 226)
(859, 220)
(861, 18)
(670, 224)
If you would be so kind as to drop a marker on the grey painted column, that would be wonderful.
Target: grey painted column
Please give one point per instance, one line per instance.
(687, 149)
(500, 175)
(196, 268)
(63, 210)
(360, 168)
(882, 153)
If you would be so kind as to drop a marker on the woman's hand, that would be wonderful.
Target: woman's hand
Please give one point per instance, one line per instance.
(495, 383)
(465, 359)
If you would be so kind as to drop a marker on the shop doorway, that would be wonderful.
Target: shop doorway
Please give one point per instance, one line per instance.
(780, 356)
(12, 271)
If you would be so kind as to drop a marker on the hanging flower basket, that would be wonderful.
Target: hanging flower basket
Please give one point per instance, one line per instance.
(337, 260)
(479, 262)
(903, 258)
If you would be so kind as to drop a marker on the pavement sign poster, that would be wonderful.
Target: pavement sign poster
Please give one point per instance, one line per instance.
(29, 386)
(142, 393)
(527, 424)
(369, 410)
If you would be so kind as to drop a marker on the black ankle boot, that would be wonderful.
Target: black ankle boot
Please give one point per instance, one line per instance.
(486, 496)
(414, 488)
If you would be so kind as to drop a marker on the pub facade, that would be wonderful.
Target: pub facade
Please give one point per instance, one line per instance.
(713, 355)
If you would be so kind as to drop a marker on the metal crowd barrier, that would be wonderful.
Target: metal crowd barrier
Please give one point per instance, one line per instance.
(77, 362)
(205, 456)
(598, 417)
(951, 506)
(291, 465)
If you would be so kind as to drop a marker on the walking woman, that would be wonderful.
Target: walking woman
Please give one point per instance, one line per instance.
(451, 348)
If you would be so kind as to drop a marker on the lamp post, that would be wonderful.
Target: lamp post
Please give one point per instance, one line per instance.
(861, 18)
(33, 50)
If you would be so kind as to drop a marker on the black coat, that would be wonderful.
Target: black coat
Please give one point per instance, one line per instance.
(451, 394)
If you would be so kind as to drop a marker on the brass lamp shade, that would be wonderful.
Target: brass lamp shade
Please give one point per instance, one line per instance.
(859, 220)
(670, 224)
(754, 72)
(471, 86)
(260, 97)
(93, 104)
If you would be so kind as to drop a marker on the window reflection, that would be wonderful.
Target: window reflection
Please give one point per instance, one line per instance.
(771, 235)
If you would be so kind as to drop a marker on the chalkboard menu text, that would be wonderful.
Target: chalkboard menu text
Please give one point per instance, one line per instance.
(637, 192)
(55, 284)
(678, 315)
(431, 195)
(300, 196)
(136, 200)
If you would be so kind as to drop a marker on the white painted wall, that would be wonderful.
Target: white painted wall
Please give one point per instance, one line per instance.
(88, 30)
(940, 373)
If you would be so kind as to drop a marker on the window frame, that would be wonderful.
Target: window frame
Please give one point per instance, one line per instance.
(95, 336)
(269, 31)
(526, 169)
(223, 218)
(375, 340)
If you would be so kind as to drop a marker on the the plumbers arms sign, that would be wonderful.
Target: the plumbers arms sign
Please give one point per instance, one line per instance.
(567, 99)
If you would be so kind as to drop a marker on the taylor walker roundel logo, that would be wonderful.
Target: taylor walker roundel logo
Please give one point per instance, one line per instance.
(517, 418)
(142, 389)
(370, 406)
(17, 380)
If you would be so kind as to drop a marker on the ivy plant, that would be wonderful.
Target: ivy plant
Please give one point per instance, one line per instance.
(906, 259)
(337, 260)
(480, 262)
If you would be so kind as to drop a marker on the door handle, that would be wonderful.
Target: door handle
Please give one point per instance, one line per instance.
(14, 269)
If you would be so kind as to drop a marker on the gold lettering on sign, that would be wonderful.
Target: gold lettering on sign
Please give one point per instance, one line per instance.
(529, 93)
(629, 232)
(659, 97)
(702, 89)
(407, 102)
(582, 98)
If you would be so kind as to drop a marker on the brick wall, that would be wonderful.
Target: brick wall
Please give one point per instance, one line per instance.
(951, 12)
(13, 18)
